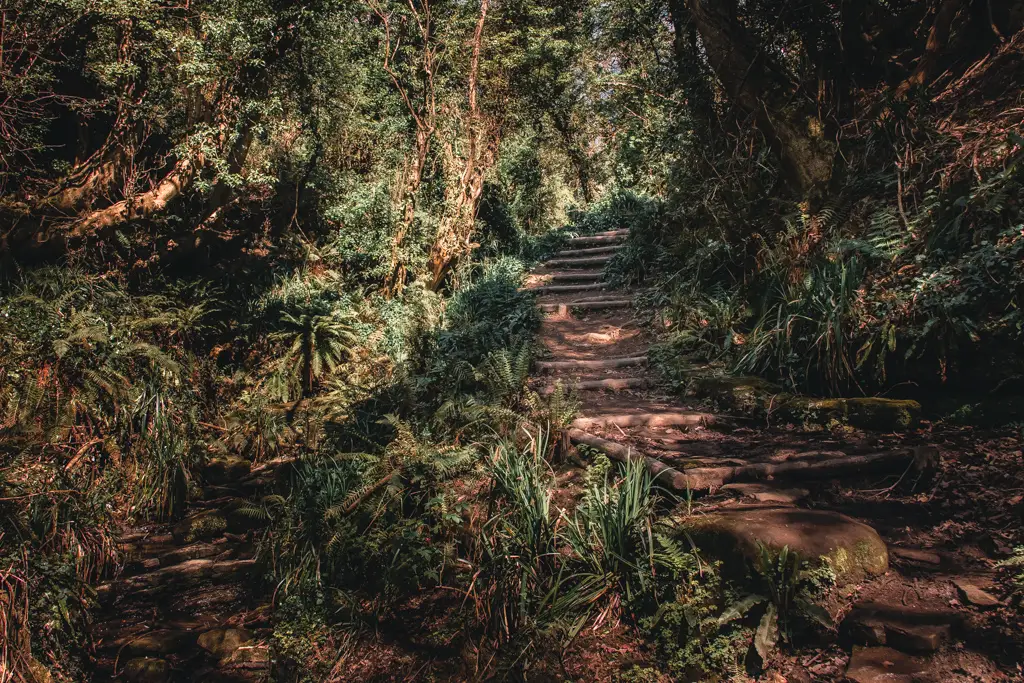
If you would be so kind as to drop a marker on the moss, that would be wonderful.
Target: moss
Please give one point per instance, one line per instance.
(747, 395)
(883, 414)
(201, 527)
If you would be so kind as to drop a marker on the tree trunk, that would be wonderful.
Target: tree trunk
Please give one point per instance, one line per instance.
(737, 61)
(938, 37)
(453, 239)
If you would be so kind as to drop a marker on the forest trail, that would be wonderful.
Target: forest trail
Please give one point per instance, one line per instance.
(916, 611)
(184, 608)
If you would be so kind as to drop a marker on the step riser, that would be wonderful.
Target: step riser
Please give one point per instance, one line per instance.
(578, 262)
(564, 309)
(663, 420)
(568, 289)
(591, 251)
(548, 366)
(602, 385)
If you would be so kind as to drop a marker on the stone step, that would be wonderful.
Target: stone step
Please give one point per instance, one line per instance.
(683, 418)
(549, 365)
(908, 629)
(173, 554)
(589, 251)
(611, 237)
(568, 289)
(585, 304)
(582, 262)
(613, 384)
(573, 276)
(179, 575)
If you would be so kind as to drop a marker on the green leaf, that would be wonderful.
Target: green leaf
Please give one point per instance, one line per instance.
(767, 633)
(739, 608)
(815, 612)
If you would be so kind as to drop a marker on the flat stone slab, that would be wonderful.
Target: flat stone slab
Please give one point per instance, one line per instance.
(766, 493)
(974, 595)
(885, 665)
(853, 549)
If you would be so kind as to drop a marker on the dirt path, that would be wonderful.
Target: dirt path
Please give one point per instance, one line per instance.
(919, 614)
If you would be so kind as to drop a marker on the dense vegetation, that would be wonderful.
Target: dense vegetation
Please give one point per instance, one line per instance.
(265, 229)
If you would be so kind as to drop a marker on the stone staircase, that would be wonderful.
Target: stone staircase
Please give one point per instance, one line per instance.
(752, 488)
(183, 608)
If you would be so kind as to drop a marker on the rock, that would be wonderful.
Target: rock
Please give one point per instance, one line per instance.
(974, 595)
(223, 642)
(912, 629)
(882, 414)
(852, 549)
(226, 469)
(864, 628)
(749, 395)
(917, 637)
(885, 665)
(917, 556)
(147, 670)
(765, 493)
(159, 642)
(200, 527)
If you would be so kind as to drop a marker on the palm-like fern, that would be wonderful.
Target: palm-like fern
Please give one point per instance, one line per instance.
(316, 344)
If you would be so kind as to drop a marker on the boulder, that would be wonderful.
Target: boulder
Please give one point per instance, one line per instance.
(202, 526)
(147, 670)
(852, 549)
(226, 469)
(885, 665)
(222, 643)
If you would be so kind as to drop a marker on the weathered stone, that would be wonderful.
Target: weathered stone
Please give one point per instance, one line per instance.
(916, 637)
(864, 629)
(226, 469)
(147, 670)
(974, 595)
(747, 395)
(159, 642)
(200, 527)
(766, 493)
(885, 665)
(917, 556)
(852, 549)
(867, 413)
(223, 642)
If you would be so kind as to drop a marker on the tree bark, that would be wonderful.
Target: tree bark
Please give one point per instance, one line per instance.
(938, 37)
(738, 62)
(453, 239)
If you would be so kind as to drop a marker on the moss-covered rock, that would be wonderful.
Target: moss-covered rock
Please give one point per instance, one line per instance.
(200, 527)
(147, 670)
(226, 469)
(746, 395)
(222, 643)
(852, 550)
(883, 414)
